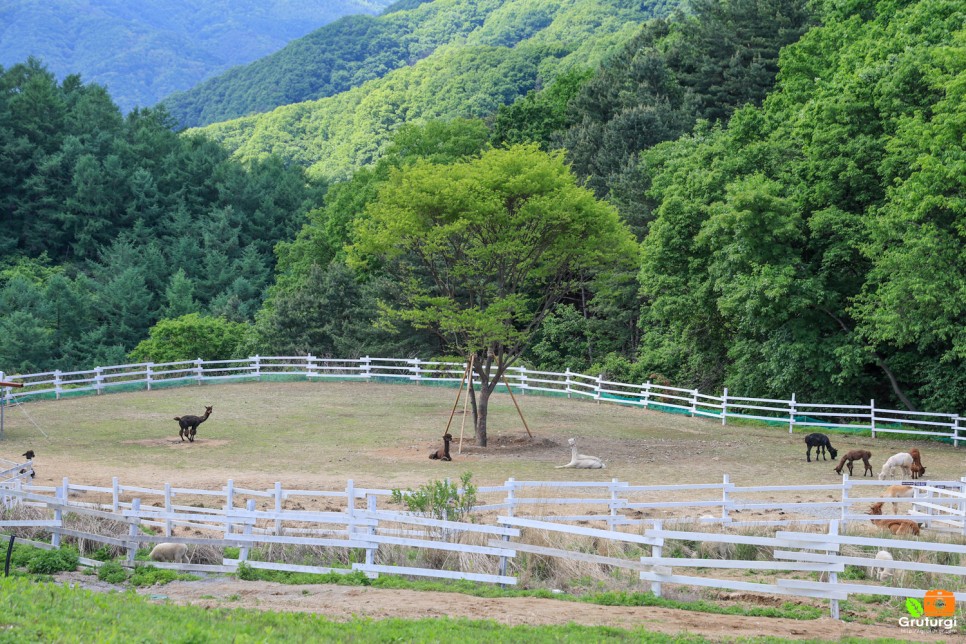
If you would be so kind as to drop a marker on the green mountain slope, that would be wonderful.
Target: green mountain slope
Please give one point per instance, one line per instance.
(143, 51)
(503, 50)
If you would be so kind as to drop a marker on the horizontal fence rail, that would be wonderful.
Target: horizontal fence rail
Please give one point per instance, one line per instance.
(808, 537)
(793, 413)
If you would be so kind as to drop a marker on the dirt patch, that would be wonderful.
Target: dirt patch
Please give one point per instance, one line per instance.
(167, 442)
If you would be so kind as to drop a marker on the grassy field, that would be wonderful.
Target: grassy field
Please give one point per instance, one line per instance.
(323, 433)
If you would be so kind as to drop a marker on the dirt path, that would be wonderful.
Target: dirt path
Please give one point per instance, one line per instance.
(346, 602)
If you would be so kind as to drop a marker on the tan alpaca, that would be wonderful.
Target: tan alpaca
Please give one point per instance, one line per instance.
(899, 492)
(895, 526)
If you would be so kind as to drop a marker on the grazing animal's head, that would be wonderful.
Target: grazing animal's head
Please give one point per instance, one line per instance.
(29, 455)
(876, 508)
(571, 441)
(834, 452)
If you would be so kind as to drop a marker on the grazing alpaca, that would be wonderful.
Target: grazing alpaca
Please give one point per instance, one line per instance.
(189, 424)
(882, 574)
(29, 455)
(821, 443)
(581, 461)
(899, 492)
(918, 469)
(855, 455)
(172, 552)
(442, 454)
(895, 526)
(902, 460)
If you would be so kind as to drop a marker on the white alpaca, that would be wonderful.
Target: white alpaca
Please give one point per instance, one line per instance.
(581, 461)
(172, 552)
(882, 574)
(902, 460)
(899, 492)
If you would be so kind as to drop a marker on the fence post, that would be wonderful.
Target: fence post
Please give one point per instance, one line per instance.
(568, 381)
(310, 366)
(243, 551)
(523, 381)
(62, 495)
(509, 495)
(278, 508)
(148, 372)
(647, 394)
(694, 403)
(872, 416)
(611, 520)
(962, 504)
(656, 552)
(371, 507)
(350, 493)
(367, 368)
(229, 504)
(845, 494)
(597, 389)
(725, 500)
(258, 366)
(957, 425)
(791, 414)
(199, 373)
(416, 371)
(724, 407)
(132, 546)
(115, 494)
(167, 508)
(57, 383)
(98, 380)
(833, 577)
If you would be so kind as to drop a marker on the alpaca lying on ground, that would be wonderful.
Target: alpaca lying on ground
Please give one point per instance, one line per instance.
(895, 526)
(899, 492)
(902, 461)
(442, 454)
(581, 461)
(170, 552)
(918, 469)
(855, 455)
(821, 443)
(189, 425)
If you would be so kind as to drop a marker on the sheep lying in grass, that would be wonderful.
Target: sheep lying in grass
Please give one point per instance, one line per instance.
(170, 552)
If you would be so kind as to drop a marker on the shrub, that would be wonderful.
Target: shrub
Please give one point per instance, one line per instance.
(48, 562)
(440, 499)
(112, 572)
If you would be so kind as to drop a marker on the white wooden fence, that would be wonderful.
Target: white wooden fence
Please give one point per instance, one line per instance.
(647, 395)
(512, 523)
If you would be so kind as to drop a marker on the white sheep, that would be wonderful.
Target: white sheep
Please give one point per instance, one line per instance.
(902, 460)
(882, 574)
(170, 552)
(581, 461)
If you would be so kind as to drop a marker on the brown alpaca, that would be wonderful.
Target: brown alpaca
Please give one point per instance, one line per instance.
(189, 425)
(895, 526)
(442, 454)
(918, 469)
(855, 455)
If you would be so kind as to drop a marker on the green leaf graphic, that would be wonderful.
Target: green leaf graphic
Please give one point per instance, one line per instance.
(914, 606)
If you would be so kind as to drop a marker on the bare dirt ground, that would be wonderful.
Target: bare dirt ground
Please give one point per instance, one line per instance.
(318, 435)
(340, 603)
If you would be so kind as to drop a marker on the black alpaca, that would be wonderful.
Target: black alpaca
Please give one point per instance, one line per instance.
(442, 454)
(820, 443)
(189, 424)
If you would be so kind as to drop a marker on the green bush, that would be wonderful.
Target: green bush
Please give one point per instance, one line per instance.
(440, 499)
(150, 576)
(48, 562)
(112, 572)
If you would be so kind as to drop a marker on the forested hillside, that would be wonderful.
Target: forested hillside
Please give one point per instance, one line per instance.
(143, 51)
(452, 59)
(793, 172)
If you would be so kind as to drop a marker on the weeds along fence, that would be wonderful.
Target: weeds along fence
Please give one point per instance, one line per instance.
(793, 413)
(516, 533)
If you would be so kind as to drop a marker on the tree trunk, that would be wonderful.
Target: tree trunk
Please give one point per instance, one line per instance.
(481, 416)
(472, 394)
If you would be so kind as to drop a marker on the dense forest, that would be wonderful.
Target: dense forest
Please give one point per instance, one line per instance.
(143, 51)
(792, 172)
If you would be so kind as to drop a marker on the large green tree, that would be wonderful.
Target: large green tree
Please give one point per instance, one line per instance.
(484, 250)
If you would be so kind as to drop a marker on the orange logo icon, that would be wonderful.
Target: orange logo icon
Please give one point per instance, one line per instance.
(939, 603)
